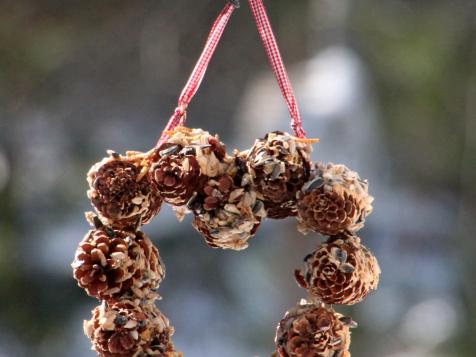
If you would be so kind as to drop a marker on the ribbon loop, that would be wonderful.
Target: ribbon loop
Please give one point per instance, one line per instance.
(272, 51)
(275, 59)
(198, 73)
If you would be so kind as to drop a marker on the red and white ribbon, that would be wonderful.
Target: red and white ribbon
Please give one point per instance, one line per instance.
(272, 51)
(196, 78)
(274, 56)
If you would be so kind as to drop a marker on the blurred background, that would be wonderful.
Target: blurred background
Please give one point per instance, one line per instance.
(390, 88)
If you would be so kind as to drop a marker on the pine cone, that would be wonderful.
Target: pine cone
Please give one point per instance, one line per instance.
(340, 271)
(334, 200)
(112, 264)
(125, 329)
(279, 165)
(227, 212)
(176, 174)
(208, 150)
(309, 330)
(121, 191)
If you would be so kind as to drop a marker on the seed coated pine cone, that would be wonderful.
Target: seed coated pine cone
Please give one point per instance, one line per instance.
(309, 330)
(227, 211)
(121, 192)
(207, 149)
(280, 165)
(340, 271)
(176, 174)
(111, 264)
(125, 329)
(334, 200)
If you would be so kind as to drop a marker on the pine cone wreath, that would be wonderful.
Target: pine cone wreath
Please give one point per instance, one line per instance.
(227, 211)
(121, 192)
(310, 330)
(334, 200)
(280, 165)
(111, 264)
(176, 174)
(340, 271)
(125, 329)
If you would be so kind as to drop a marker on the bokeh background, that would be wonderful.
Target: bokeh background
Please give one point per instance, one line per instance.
(388, 85)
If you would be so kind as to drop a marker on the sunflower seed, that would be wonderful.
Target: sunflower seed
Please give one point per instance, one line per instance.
(346, 268)
(276, 172)
(346, 320)
(312, 185)
(232, 209)
(268, 167)
(169, 151)
(282, 150)
(188, 150)
(114, 154)
(340, 254)
(110, 232)
(120, 320)
(97, 222)
(205, 146)
(235, 194)
(246, 180)
(259, 157)
(307, 257)
(259, 205)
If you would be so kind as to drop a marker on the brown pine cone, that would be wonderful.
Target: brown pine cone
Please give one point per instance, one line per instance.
(334, 200)
(125, 329)
(340, 271)
(309, 330)
(111, 264)
(121, 191)
(208, 150)
(280, 165)
(176, 174)
(227, 212)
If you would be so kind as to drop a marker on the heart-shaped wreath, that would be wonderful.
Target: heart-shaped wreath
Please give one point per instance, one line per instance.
(229, 195)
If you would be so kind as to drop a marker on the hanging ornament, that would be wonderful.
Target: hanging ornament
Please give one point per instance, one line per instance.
(229, 196)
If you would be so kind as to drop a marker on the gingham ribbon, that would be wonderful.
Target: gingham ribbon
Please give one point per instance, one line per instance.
(274, 56)
(196, 78)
